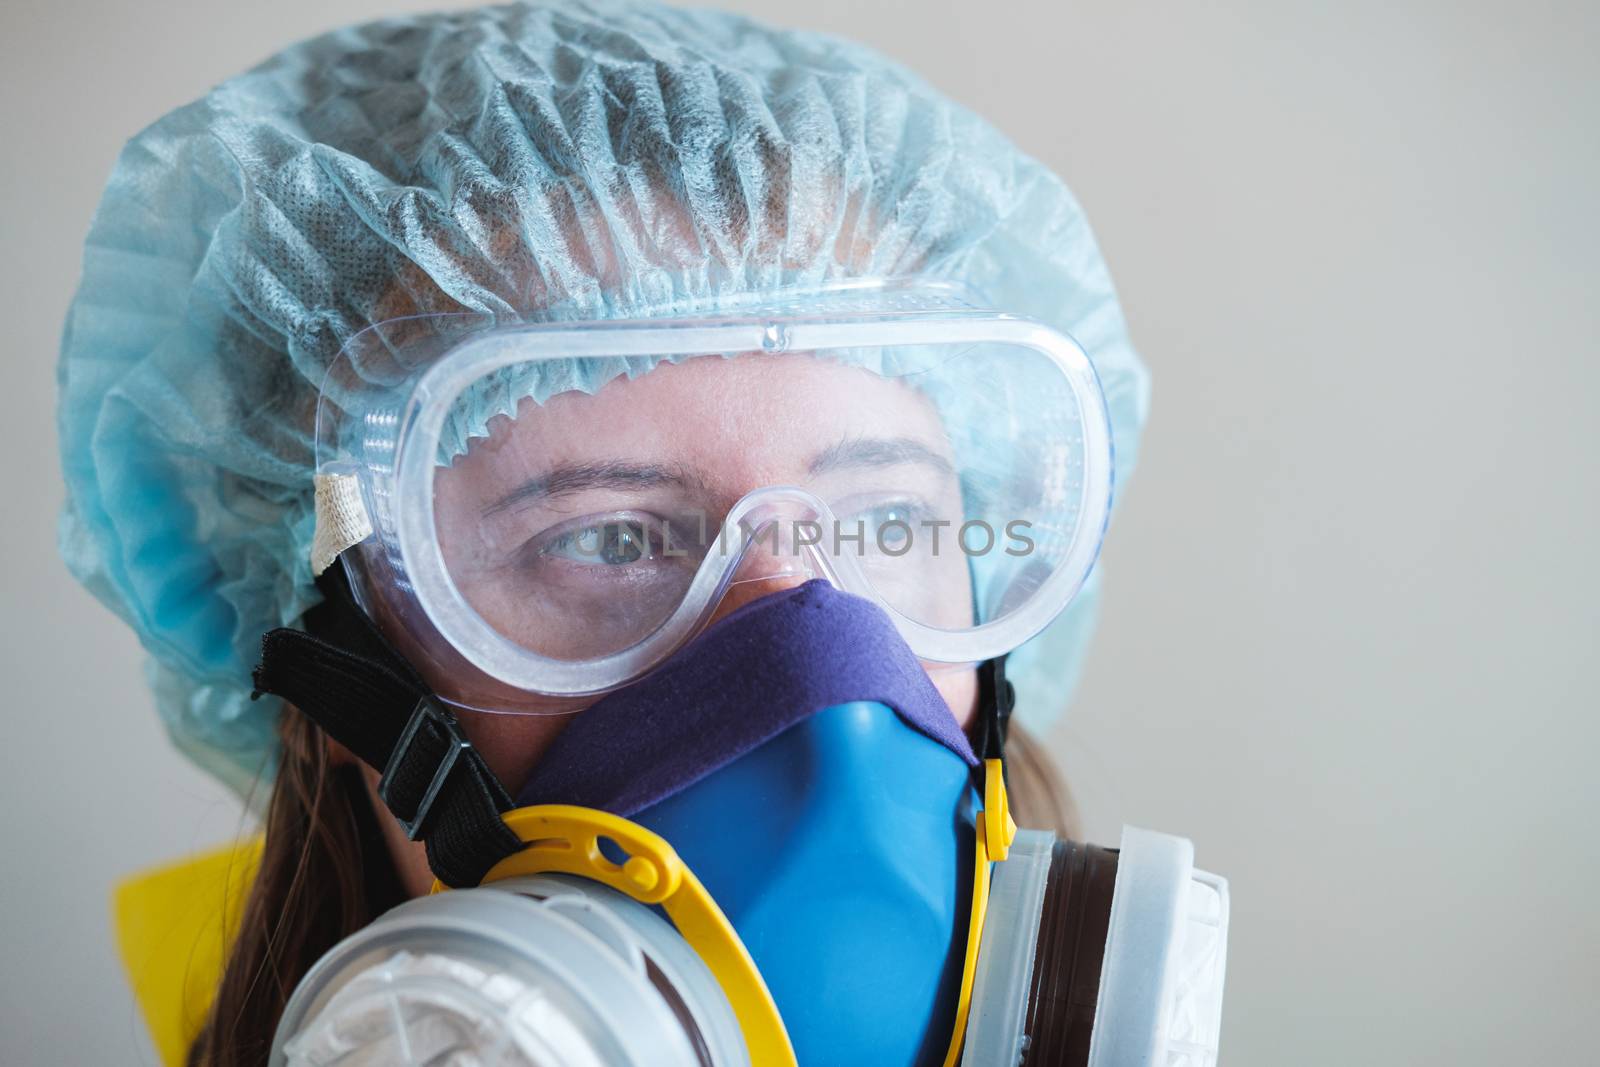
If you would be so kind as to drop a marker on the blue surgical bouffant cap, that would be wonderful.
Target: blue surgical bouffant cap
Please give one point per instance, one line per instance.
(597, 158)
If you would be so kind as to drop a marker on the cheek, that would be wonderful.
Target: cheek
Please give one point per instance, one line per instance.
(960, 691)
(512, 744)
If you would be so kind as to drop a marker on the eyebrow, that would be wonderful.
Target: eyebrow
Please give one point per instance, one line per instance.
(578, 477)
(615, 474)
(878, 452)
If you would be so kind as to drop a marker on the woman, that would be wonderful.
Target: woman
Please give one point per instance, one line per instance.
(561, 163)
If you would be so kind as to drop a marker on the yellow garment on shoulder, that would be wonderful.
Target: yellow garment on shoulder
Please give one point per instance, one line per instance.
(174, 925)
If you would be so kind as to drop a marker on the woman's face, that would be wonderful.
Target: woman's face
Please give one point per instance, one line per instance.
(599, 509)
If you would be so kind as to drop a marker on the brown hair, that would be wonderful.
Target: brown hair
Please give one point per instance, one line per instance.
(1035, 788)
(326, 872)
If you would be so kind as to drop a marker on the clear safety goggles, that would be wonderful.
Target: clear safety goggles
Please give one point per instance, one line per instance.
(550, 510)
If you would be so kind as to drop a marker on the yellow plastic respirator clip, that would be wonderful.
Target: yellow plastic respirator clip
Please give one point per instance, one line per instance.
(565, 839)
(1000, 827)
(995, 832)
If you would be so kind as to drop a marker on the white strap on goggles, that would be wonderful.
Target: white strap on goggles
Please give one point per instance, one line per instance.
(342, 519)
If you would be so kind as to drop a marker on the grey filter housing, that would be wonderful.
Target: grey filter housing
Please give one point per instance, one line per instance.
(1089, 956)
(1100, 957)
(540, 971)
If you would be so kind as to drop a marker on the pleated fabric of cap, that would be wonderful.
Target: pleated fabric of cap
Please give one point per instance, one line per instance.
(578, 160)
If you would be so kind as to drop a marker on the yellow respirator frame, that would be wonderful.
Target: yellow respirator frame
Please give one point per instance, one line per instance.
(565, 839)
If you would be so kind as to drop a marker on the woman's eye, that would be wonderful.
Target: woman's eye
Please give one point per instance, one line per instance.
(613, 543)
(890, 525)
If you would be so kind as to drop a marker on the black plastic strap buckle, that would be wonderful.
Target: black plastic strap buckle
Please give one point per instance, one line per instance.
(426, 711)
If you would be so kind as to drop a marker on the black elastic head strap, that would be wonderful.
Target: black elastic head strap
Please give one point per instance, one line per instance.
(342, 673)
(996, 699)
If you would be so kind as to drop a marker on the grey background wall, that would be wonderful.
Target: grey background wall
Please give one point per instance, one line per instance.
(1350, 638)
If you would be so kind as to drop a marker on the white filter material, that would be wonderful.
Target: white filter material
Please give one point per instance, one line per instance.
(1194, 1031)
(416, 1009)
(533, 972)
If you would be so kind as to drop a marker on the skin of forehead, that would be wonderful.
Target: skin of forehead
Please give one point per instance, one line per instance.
(732, 424)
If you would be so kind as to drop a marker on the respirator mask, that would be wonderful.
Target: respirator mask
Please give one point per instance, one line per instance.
(751, 560)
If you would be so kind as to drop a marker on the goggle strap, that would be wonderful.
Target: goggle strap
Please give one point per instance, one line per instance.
(343, 674)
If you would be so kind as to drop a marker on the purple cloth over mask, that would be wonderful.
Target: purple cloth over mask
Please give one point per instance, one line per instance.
(751, 675)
